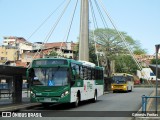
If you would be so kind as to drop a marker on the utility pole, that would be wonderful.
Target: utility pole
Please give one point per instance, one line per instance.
(156, 102)
(84, 31)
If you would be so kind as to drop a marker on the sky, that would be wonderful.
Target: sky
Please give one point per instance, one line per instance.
(140, 19)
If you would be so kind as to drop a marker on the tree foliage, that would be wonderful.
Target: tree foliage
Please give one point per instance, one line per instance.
(109, 42)
(53, 53)
(153, 61)
(111, 47)
(125, 64)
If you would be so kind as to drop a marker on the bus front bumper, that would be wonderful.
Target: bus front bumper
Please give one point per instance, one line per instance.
(119, 88)
(48, 99)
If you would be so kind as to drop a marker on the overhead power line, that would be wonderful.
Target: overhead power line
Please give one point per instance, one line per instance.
(46, 19)
(95, 27)
(52, 29)
(122, 37)
(69, 29)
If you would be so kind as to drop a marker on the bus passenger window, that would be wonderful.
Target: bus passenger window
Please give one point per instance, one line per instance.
(77, 71)
(81, 73)
(85, 71)
(93, 74)
(89, 73)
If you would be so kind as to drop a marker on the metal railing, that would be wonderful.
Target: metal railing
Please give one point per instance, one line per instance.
(145, 86)
(145, 101)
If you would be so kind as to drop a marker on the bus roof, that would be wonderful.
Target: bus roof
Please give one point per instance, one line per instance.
(85, 63)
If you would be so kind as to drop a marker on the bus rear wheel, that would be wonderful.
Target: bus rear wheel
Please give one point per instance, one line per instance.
(131, 89)
(127, 90)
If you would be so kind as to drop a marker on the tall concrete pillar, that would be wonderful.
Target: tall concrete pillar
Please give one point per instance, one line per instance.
(84, 31)
(17, 89)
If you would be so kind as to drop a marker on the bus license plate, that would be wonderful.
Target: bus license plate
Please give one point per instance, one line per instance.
(47, 99)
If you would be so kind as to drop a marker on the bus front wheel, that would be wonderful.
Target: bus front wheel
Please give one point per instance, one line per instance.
(76, 103)
(131, 89)
(95, 97)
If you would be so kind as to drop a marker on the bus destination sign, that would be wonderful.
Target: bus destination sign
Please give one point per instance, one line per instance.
(50, 62)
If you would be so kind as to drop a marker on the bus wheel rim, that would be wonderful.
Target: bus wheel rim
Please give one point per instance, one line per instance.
(95, 97)
(77, 101)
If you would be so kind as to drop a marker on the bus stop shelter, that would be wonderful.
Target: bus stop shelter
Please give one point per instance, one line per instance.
(17, 74)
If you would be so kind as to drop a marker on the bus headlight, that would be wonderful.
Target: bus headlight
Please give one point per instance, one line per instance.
(62, 95)
(124, 86)
(65, 93)
(112, 86)
(32, 94)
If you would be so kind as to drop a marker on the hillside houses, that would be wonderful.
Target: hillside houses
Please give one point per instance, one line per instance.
(17, 51)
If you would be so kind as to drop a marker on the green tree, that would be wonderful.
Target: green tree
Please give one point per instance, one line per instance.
(153, 61)
(53, 53)
(138, 50)
(110, 43)
(125, 63)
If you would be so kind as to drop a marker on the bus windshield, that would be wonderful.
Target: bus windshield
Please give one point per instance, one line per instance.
(119, 79)
(50, 76)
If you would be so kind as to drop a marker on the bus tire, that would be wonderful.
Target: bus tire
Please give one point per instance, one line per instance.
(127, 90)
(76, 103)
(131, 89)
(95, 96)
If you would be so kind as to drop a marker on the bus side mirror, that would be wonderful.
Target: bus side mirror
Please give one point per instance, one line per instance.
(29, 73)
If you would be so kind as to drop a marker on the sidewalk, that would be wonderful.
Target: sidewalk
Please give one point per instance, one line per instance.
(7, 105)
(6, 101)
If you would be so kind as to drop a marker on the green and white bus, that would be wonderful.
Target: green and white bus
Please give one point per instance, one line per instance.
(60, 80)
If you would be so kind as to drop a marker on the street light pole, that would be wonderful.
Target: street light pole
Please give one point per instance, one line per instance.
(156, 102)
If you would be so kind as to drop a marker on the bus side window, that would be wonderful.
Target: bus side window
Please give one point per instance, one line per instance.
(85, 73)
(81, 72)
(89, 73)
(77, 71)
(129, 78)
(101, 74)
(73, 70)
(96, 74)
(93, 74)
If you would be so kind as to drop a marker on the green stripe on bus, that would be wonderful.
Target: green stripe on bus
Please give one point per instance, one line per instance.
(99, 82)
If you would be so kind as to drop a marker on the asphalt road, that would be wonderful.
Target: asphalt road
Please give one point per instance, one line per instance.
(112, 106)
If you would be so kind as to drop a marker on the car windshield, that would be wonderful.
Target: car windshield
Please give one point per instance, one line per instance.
(50, 76)
(119, 79)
